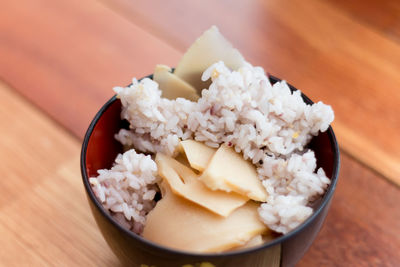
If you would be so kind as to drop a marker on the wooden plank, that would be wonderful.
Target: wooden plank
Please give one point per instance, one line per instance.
(316, 47)
(66, 56)
(38, 154)
(60, 230)
(44, 216)
(363, 225)
(383, 16)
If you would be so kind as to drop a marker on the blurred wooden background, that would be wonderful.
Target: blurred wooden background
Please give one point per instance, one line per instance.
(60, 59)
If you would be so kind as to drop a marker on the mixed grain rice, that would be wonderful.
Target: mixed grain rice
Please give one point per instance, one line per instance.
(268, 123)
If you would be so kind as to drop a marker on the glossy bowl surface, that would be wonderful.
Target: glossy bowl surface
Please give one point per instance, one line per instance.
(99, 150)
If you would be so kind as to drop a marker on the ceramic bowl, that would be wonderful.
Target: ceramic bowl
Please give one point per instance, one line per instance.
(99, 151)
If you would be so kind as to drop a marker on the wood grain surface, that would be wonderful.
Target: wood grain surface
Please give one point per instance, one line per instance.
(381, 16)
(44, 215)
(67, 56)
(363, 225)
(60, 59)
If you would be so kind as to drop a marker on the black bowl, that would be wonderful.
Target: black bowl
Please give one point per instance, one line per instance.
(99, 151)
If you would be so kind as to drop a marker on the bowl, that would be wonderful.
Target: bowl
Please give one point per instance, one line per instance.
(99, 150)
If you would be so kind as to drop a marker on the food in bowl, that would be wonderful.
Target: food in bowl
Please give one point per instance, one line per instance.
(223, 170)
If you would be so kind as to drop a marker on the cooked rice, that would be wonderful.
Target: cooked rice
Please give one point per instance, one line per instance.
(128, 188)
(268, 123)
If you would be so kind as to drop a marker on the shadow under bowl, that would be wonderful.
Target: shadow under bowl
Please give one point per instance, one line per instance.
(99, 151)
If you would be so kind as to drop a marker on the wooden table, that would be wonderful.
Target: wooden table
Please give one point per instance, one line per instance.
(60, 59)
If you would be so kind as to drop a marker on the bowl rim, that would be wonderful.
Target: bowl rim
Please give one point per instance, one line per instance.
(324, 201)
